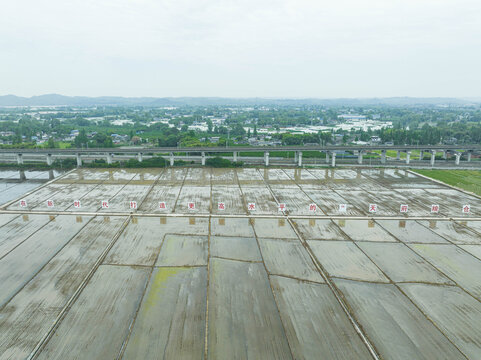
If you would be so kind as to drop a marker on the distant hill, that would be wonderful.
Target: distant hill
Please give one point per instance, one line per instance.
(61, 100)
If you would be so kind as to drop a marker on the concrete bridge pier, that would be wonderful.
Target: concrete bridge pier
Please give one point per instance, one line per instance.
(203, 158)
(383, 156)
(50, 175)
(408, 157)
(296, 156)
(333, 163)
(19, 159)
(469, 155)
(235, 156)
(421, 155)
(433, 157)
(109, 158)
(171, 159)
(79, 160)
(359, 157)
(445, 154)
(140, 157)
(266, 158)
(398, 155)
(327, 157)
(22, 175)
(300, 159)
(49, 160)
(458, 157)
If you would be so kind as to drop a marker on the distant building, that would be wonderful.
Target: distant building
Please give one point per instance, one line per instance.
(351, 117)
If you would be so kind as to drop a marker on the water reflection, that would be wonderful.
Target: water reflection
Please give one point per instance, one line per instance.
(15, 183)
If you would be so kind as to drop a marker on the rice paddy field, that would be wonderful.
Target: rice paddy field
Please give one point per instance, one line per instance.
(200, 263)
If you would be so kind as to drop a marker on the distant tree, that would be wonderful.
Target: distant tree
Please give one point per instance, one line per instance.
(51, 143)
(326, 137)
(222, 130)
(209, 126)
(102, 140)
(238, 130)
(136, 140)
(81, 139)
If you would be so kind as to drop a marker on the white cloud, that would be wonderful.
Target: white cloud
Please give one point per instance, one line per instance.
(241, 48)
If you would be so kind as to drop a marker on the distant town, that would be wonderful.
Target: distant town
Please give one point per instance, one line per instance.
(219, 125)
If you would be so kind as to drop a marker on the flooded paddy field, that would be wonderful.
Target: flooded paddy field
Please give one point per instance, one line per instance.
(194, 263)
(14, 183)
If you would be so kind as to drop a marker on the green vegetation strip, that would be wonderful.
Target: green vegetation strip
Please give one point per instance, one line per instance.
(469, 180)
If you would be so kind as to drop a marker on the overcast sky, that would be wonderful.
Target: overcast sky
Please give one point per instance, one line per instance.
(242, 48)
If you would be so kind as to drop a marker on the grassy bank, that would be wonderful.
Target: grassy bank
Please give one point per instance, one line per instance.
(469, 180)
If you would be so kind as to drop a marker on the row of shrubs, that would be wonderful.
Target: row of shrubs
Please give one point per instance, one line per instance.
(153, 162)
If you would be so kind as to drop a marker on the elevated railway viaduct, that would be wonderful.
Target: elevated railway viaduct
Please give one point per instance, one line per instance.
(199, 154)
